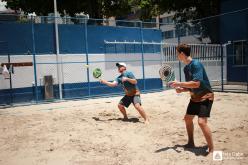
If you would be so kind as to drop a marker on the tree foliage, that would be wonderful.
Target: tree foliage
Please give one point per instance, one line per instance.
(95, 8)
(100, 8)
(191, 12)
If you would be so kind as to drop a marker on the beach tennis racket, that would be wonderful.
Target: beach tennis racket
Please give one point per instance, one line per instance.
(167, 74)
(97, 73)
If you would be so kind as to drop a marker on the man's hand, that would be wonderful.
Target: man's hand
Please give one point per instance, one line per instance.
(102, 81)
(179, 90)
(132, 81)
(174, 84)
(124, 79)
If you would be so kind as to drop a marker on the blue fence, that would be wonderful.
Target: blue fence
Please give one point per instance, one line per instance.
(79, 44)
(85, 42)
(71, 37)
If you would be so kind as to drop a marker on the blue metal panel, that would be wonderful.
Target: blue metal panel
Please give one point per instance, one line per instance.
(18, 37)
(233, 26)
(44, 39)
(71, 39)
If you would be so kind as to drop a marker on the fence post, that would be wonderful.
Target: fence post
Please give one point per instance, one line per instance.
(10, 80)
(115, 48)
(87, 52)
(34, 59)
(178, 42)
(247, 77)
(162, 52)
(142, 53)
(223, 49)
(58, 58)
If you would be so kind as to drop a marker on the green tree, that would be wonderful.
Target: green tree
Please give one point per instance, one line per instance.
(43, 7)
(95, 8)
(190, 12)
(99, 8)
(116, 8)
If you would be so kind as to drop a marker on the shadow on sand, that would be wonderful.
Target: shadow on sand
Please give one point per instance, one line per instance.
(131, 120)
(198, 151)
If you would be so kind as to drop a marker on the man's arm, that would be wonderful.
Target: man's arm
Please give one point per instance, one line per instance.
(180, 90)
(132, 81)
(110, 84)
(189, 84)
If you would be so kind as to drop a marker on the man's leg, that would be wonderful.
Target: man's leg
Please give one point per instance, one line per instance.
(190, 130)
(123, 111)
(202, 121)
(141, 111)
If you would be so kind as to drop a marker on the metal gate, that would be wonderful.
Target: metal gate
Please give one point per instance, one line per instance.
(237, 66)
(218, 61)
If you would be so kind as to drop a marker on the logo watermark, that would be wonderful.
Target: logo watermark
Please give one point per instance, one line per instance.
(220, 155)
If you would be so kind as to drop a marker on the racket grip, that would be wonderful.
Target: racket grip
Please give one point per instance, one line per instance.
(169, 83)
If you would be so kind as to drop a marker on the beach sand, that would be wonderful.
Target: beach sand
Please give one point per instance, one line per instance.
(91, 132)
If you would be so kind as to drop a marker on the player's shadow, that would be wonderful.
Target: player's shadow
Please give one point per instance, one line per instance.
(131, 120)
(198, 151)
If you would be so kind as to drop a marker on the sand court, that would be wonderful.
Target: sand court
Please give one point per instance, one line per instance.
(92, 132)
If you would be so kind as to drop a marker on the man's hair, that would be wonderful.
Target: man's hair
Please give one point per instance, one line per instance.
(183, 48)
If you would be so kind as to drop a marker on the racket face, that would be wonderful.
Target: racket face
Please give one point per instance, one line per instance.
(97, 73)
(166, 73)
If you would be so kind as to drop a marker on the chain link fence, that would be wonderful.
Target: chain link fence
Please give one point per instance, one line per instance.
(63, 70)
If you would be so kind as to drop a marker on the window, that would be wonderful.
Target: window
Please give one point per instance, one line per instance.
(167, 19)
(181, 32)
(240, 49)
(245, 45)
(168, 34)
(194, 30)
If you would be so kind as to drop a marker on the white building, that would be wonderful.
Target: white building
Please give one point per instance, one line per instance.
(2, 6)
(170, 33)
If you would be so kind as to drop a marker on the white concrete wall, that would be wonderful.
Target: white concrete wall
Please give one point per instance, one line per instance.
(22, 77)
(74, 69)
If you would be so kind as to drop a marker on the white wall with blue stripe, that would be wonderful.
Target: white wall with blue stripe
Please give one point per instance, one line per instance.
(22, 41)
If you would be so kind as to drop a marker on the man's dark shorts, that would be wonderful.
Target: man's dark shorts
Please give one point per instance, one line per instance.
(127, 100)
(201, 109)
